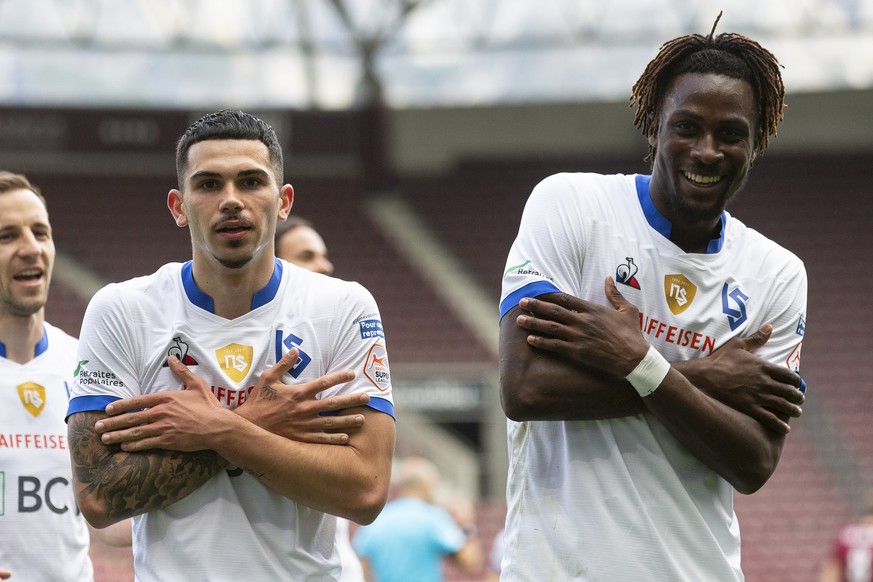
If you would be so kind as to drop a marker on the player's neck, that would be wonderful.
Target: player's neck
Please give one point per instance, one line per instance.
(693, 240)
(232, 290)
(20, 334)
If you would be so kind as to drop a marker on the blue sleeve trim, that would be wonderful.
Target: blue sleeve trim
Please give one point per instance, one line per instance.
(533, 289)
(380, 404)
(89, 404)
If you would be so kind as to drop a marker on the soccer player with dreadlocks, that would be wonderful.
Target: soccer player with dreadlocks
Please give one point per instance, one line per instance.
(650, 341)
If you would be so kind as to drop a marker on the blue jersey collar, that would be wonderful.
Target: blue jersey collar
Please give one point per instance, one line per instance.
(40, 347)
(204, 301)
(661, 224)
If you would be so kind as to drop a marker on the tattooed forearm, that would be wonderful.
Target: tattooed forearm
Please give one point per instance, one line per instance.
(126, 484)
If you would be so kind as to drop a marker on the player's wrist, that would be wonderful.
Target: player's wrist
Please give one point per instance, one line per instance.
(647, 376)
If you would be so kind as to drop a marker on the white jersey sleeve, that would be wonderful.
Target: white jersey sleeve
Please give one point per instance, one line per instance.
(359, 345)
(107, 368)
(548, 255)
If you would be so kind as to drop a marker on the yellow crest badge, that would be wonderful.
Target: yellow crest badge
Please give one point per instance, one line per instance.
(680, 292)
(235, 360)
(32, 396)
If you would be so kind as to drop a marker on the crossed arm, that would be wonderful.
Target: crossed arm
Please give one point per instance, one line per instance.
(562, 358)
(127, 463)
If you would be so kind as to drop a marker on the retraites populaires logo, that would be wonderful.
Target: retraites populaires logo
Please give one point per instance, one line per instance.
(526, 268)
(87, 377)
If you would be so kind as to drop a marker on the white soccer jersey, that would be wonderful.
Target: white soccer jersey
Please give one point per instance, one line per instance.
(43, 537)
(621, 499)
(232, 527)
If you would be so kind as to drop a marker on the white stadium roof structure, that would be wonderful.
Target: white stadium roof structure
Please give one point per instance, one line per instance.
(415, 53)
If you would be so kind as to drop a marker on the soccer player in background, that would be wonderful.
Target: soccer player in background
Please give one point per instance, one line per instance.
(851, 559)
(649, 341)
(414, 534)
(224, 479)
(43, 536)
(298, 242)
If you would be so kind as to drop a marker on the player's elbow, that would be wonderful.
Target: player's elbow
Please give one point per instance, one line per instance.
(368, 507)
(748, 486)
(97, 514)
(518, 403)
(750, 477)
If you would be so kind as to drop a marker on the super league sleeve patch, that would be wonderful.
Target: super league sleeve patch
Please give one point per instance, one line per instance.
(371, 328)
(376, 367)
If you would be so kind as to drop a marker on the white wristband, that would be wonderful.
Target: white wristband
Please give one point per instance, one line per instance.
(649, 373)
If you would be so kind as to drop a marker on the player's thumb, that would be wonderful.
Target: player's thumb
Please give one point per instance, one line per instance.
(616, 299)
(759, 338)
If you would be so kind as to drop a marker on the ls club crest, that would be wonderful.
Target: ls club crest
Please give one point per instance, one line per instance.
(32, 396)
(680, 292)
(235, 360)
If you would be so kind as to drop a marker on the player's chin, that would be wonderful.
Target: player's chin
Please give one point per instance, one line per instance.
(235, 262)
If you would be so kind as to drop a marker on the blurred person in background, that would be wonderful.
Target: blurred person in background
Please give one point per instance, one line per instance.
(851, 559)
(413, 534)
(495, 557)
(43, 536)
(299, 243)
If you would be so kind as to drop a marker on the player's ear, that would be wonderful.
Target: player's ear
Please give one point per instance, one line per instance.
(286, 200)
(177, 207)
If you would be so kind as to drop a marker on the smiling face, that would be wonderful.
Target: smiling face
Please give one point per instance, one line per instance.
(704, 147)
(27, 253)
(230, 203)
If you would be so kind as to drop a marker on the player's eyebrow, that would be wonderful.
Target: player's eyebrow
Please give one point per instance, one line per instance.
(210, 174)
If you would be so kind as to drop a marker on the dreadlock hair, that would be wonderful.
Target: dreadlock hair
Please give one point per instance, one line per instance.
(729, 54)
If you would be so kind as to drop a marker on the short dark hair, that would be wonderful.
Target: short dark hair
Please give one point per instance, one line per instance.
(10, 181)
(290, 224)
(729, 54)
(227, 124)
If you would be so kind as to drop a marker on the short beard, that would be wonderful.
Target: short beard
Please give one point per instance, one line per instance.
(235, 264)
(690, 214)
(19, 309)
